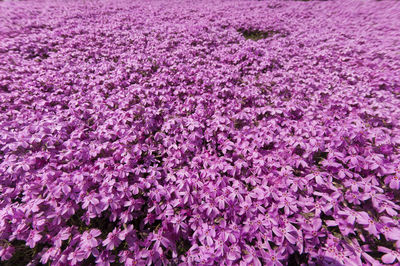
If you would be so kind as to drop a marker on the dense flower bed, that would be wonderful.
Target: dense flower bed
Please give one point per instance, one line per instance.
(200, 132)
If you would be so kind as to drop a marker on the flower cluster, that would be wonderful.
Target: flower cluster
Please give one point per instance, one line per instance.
(200, 132)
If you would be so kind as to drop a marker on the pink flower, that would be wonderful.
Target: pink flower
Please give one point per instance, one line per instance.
(64, 234)
(389, 207)
(159, 240)
(289, 205)
(273, 256)
(6, 252)
(287, 232)
(393, 181)
(366, 220)
(113, 239)
(76, 256)
(206, 234)
(391, 255)
(89, 238)
(91, 199)
(105, 258)
(233, 253)
(391, 233)
(33, 238)
(251, 257)
(179, 224)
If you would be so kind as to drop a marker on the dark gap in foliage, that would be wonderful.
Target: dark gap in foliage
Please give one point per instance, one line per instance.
(104, 153)
(319, 156)
(256, 35)
(272, 244)
(138, 225)
(273, 65)
(297, 172)
(296, 114)
(375, 121)
(47, 87)
(265, 89)
(239, 124)
(276, 5)
(23, 254)
(65, 244)
(218, 150)
(325, 217)
(268, 147)
(17, 199)
(103, 223)
(249, 187)
(4, 88)
(183, 246)
(285, 94)
(298, 259)
(75, 220)
(40, 53)
(89, 261)
(299, 150)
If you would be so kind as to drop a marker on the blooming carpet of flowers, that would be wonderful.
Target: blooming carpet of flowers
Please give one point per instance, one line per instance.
(200, 132)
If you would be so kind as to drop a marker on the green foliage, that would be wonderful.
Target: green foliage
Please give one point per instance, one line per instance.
(256, 35)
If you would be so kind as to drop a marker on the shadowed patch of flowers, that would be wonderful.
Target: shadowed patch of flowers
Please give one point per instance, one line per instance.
(256, 35)
(156, 133)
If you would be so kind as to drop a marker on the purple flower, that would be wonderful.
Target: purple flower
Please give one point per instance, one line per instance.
(393, 181)
(206, 234)
(152, 256)
(391, 233)
(159, 239)
(89, 238)
(367, 221)
(203, 142)
(105, 258)
(179, 223)
(273, 256)
(33, 238)
(233, 253)
(64, 234)
(6, 252)
(251, 257)
(287, 232)
(113, 239)
(76, 256)
(390, 255)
